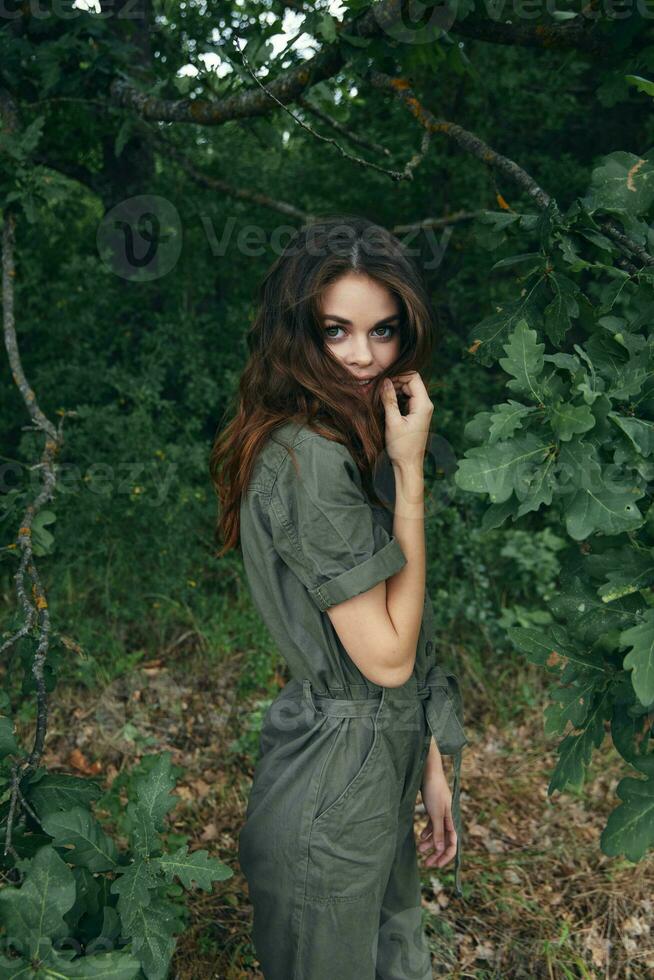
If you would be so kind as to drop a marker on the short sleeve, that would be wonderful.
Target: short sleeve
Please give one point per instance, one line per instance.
(323, 526)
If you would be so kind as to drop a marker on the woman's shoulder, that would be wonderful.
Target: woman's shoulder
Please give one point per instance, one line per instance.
(294, 440)
(295, 435)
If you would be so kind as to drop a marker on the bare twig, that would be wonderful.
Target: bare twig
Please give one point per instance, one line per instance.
(418, 157)
(448, 219)
(354, 138)
(394, 174)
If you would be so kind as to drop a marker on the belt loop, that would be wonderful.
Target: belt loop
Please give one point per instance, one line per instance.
(307, 695)
(378, 712)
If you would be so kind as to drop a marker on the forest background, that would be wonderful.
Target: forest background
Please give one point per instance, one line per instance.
(154, 157)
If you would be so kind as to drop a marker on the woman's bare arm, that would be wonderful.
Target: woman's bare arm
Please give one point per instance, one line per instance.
(380, 628)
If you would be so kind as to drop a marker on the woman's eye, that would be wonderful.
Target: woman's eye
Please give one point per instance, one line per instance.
(386, 336)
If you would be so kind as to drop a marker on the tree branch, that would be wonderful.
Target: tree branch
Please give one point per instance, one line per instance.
(288, 87)
(33, 603)
(554, 37)
(252, 102)
(472, 144)
(475, 146)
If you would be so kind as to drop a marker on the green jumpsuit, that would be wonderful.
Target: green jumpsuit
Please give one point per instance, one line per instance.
(328, 844)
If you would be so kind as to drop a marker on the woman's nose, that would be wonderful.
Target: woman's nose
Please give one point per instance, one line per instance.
(360, 354)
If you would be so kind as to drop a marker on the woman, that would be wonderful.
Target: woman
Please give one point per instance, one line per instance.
(320, 474)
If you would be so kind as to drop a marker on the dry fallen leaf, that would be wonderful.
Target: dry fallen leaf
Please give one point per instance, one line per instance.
(79, 761)
(210, 832)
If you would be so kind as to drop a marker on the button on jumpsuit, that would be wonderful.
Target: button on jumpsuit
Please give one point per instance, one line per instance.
(328, 845)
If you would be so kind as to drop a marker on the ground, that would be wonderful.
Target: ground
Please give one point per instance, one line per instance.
(540, 899)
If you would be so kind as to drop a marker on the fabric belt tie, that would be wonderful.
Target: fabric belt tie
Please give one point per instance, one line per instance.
(444, 713)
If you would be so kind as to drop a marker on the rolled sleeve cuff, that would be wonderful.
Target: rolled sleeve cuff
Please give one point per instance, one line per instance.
(364, 576)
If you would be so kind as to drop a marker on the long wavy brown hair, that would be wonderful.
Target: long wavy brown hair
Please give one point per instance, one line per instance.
(292, 375)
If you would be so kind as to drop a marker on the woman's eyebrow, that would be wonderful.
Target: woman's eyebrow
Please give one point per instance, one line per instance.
(341, 319)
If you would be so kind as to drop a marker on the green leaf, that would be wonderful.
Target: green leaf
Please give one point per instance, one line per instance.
(152, 929)
(641, 658)
(113, 965)
(571, 705)
(553, 649)
(609, 511)
(536, 260)
(566, 362)
(8, 743)
(575, 751)
(557, 314)
(579, 465)
(154, 789)
(134, 886)
(634, 570)
(639, 432)
(477, 429)
(498, 469)
(18, 968)
(35, 912)
(196, 868)
(642, 84)
(631, 733)
(42, 539)
(630, 827)
(623, 182)
(327, 28)
(539, 489)
(568, 420)
(586, 616)
(60, 965)
(506, 419)
(524, 360)
(92, 848)
(493, 330)
(496, 514)
(59, 791)
(143, 835)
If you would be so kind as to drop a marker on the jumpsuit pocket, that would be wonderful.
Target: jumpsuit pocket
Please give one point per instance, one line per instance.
(353, 833)
(353, 750)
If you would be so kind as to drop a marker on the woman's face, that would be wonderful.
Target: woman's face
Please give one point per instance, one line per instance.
(360, 318)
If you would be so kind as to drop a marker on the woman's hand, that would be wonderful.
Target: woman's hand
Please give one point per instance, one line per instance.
(406, 435)
(438, 840)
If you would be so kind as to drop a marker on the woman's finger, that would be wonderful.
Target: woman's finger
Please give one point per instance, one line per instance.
(389, 401)
(447, 852)
(446, 855)
(435, 827)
